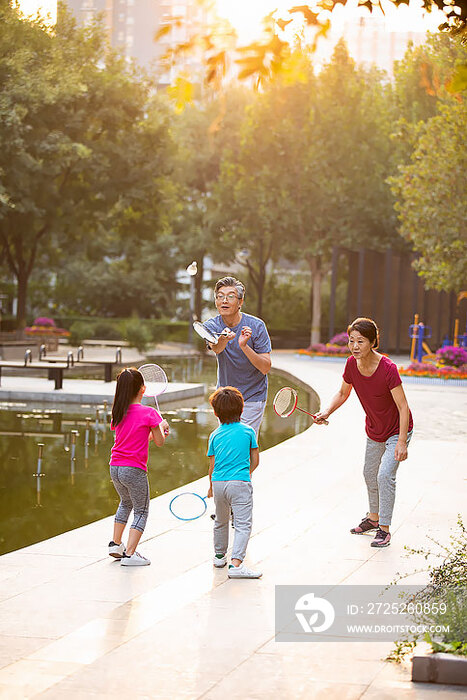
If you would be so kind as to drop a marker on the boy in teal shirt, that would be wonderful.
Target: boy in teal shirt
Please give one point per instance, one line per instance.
(233, 456)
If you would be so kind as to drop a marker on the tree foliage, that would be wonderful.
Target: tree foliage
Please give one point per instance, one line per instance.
(83, 148)
(432, 198)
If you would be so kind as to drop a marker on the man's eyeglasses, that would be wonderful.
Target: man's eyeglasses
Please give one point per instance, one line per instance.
(230, 296)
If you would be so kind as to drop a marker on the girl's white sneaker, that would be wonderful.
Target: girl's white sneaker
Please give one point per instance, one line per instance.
(116, 550)
(242, 571)
(136, 559)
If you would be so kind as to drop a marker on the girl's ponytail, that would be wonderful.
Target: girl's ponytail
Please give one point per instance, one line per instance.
(129, 382)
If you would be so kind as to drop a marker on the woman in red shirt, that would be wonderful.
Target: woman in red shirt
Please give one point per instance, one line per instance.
(388, 423)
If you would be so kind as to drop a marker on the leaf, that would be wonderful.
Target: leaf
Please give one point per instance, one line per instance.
(309, 16)
(181, 93)
(282, 23)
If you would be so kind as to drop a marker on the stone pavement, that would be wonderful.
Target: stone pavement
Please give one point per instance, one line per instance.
(75, 625)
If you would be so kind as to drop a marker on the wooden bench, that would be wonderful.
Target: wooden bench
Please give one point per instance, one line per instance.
(106, 364)
(55, 369)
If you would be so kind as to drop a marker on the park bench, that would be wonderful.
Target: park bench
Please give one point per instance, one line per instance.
(106, 364)
(55, 369)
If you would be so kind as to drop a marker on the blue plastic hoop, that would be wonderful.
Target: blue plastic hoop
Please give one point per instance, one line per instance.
(188, 493)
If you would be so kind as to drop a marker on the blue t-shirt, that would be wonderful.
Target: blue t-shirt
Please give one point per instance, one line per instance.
(230, 444)
(233, 366)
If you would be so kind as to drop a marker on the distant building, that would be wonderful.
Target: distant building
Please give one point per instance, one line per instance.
(131, 26)
(370, 41)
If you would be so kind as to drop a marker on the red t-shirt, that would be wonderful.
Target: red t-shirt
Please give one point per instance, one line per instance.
(382, 415)
(132, 437)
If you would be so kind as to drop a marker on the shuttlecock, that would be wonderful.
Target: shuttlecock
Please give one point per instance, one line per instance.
(192, 269)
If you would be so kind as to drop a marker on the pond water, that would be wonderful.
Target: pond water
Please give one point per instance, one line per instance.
(75, 488)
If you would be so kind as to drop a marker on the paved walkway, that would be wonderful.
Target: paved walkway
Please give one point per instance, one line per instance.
(75, 625)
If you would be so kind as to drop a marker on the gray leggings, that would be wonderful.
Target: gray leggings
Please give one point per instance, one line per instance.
(380, 476)
(131, 484)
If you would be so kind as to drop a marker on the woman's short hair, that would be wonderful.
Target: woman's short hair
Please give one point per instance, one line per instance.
(231, 282)
(366, 327)
(227, 403)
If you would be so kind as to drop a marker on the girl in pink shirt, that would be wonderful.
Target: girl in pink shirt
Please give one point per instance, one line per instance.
(388, 423)
(134, 425)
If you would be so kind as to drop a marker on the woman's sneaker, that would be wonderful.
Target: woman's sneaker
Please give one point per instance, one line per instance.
(116, 550)
(382, 539)
(365, 526)
(136, 559)
(242, 571)
(219, 560)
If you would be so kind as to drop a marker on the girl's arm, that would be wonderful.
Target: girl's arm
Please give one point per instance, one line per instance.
(400, 453)
(211, 469)
(159, 433)
(254, 458)
(336, 401)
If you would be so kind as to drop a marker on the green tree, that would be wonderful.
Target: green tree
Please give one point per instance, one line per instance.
(202, 131)
(84, 154)
(432, 198)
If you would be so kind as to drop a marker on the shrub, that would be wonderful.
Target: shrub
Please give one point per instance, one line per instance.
(339, 339)
(447, 584)
(107, 330)
(451, 355)
(79, 330)
(137, 334)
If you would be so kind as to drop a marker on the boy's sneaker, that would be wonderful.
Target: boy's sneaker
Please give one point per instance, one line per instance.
(116, 550)
(365, 526)
(382, 539)
(136, 559)
(242, 571)
(219, 560)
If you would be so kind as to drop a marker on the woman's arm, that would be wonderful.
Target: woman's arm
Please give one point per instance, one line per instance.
(400, 400)
(336, 401)
(254, 458)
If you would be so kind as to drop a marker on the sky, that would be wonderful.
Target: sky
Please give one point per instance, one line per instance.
(246, 15)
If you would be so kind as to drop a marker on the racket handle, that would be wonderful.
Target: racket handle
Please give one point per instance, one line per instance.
(313, 415)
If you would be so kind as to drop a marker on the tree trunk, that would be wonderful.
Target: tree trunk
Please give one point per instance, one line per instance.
(316, 278)
(22, 288)
(199, 286)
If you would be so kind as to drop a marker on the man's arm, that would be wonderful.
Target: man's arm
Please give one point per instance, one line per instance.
(222, 341)
(260, 360)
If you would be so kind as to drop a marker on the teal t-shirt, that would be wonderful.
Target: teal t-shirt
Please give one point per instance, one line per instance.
(230, 444)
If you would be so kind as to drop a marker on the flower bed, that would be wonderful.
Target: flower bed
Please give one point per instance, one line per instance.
(425, 369)
(325, 350)
(47, 332)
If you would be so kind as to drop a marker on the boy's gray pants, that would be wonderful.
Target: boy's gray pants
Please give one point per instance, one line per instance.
(238, 496)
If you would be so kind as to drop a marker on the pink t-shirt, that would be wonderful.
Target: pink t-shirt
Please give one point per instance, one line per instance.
(382, 415)
(131, 444)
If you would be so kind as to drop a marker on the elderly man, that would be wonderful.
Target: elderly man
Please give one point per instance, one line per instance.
(243, 352)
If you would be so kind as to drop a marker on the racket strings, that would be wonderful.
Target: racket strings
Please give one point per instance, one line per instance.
(284, 401)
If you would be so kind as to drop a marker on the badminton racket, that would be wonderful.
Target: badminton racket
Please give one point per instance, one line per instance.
(205, 334)
(155, 380)
(285, 403)
(188, 506)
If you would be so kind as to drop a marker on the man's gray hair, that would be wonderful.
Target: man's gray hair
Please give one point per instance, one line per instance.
(231, 282)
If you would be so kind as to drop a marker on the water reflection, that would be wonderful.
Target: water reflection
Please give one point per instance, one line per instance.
(54, 473)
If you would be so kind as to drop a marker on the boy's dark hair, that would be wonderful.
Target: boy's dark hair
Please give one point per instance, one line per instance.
(129, 382)
(227, 403)
(366, 327)
(231, 282)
